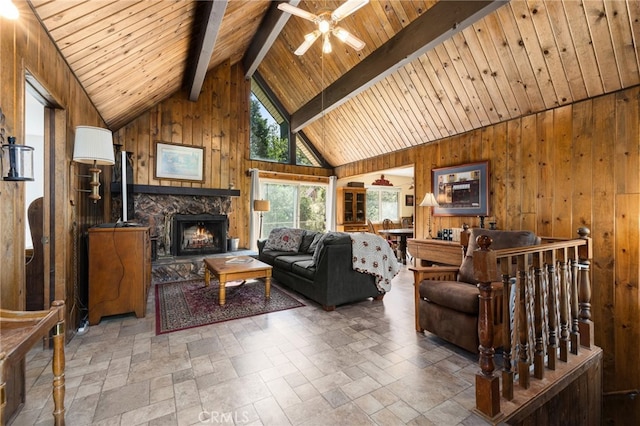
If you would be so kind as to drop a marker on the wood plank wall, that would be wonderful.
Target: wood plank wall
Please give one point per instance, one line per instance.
(219, 122)
(25, 47)
(553, 172)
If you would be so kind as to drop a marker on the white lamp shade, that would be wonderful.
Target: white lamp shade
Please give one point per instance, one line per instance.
(429, 200)
(93, 144)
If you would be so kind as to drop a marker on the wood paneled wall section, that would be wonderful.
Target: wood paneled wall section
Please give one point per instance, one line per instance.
(552, 172)
(219, 122)
(24, 46)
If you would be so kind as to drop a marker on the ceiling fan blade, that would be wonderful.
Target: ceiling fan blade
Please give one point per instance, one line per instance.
(348, 38)
(347, 8)
(308, 41)
(286, 7)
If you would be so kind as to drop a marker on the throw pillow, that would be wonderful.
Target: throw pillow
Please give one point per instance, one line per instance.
(307, 239)
(314, 243)
(284, 239)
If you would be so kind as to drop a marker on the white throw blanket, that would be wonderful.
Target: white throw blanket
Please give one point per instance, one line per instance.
(373, 255)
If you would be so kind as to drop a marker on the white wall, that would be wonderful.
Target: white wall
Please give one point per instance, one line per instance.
(34, 130)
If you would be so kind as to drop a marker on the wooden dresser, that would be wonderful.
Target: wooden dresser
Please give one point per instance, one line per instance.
(431, 251)
(119, 271)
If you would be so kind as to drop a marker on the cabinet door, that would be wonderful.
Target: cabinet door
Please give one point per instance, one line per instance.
(361, 207)
(348, 207)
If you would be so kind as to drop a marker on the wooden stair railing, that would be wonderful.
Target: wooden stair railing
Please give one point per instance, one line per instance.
(547, 319)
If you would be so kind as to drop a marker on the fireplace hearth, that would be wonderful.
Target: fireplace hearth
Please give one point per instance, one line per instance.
(199, 234)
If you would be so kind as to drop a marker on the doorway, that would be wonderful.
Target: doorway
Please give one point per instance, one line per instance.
(35, 238)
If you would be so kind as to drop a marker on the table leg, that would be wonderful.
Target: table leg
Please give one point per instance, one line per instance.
(223, 290)
(207, 276)
(267, 287)
(3, 395)
(57, 367)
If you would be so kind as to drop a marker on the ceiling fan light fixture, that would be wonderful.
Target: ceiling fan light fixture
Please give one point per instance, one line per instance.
(326, 45)
(324, 26)
(327, 25)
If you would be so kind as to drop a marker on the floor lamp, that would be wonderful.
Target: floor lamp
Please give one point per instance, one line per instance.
(261, 206)
(429, 200)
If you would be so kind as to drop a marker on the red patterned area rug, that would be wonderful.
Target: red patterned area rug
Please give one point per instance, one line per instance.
(187, 304)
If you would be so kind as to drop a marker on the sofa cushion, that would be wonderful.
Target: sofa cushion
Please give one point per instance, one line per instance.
(456, 295)
(304, 268)
(284, 239)
(270, 256)
(501, 240)
(285, 262)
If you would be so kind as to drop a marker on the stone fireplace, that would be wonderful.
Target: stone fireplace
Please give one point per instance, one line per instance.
(199, 234)
(157, 211)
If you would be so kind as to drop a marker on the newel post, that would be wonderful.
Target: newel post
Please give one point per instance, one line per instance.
(585, 254)
(487, 383)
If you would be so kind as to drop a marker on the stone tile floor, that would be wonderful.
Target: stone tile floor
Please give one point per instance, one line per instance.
(362, 364)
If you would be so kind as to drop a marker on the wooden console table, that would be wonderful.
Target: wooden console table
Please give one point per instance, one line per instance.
(19, 331)
(431, 251)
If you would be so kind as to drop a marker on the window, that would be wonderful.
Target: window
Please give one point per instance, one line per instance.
(383, 203)
(295, 205)
(269, 138)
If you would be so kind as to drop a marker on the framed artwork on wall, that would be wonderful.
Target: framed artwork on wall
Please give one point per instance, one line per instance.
(181, 162)
(462, 190)
(408, 200)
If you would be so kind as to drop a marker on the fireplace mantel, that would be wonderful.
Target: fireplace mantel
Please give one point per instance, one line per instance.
(177, 190)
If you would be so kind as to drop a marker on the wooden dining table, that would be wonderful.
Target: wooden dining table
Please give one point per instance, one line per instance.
(403, 234)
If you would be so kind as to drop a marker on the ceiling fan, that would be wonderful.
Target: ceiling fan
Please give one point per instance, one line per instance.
(327, 23)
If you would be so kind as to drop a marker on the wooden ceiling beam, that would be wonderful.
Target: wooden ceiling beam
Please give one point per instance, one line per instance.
(270, 27)
(436, 25)
(206, 41)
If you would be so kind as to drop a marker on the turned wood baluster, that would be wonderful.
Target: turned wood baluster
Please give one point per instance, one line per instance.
(585, 325)
(552, 306)
(575, 331)
(487, 384)
(523, 324)
(564, 306)
(507, 323)
(538, 313)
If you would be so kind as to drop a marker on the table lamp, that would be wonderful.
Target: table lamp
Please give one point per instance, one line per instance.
(429, 200)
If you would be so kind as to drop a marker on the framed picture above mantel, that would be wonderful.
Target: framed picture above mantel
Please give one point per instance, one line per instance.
(462, 190)
(179, 162)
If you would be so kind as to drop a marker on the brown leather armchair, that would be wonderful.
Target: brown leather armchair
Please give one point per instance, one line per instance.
(446, 298)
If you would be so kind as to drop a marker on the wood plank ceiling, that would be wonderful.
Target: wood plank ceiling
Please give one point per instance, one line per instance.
(525, 57)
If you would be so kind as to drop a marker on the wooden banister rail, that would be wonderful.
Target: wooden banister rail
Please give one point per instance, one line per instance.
(546, 305)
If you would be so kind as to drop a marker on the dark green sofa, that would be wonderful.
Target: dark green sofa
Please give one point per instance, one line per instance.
(331, 280)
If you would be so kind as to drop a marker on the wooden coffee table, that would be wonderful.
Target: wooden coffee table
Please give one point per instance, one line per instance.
(236, 268)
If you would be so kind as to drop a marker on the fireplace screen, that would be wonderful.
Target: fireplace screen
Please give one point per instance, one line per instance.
(199, 234)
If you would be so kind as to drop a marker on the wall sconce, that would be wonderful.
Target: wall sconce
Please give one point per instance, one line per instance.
(17, 161)
(93, 145)
(261, 206)
(430, 201)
